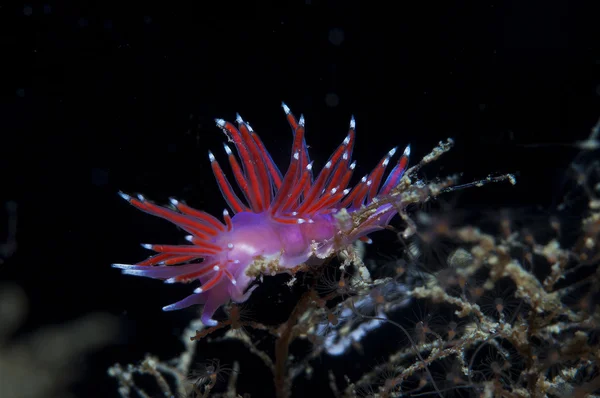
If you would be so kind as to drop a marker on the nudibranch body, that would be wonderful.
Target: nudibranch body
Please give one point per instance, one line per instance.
(283, 222)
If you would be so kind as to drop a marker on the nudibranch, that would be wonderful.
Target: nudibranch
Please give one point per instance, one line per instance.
(282, 221)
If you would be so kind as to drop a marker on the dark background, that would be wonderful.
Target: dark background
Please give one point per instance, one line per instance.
(103, 97)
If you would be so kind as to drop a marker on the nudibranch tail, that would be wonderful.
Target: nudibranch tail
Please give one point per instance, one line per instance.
(279, 222)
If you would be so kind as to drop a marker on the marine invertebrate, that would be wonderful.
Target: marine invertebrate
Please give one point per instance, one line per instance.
(285, 221)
